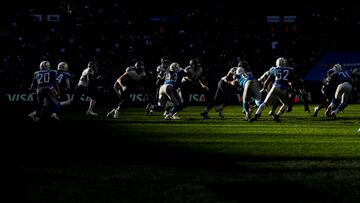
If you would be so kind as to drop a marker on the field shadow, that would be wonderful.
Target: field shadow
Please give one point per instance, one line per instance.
(279, 191)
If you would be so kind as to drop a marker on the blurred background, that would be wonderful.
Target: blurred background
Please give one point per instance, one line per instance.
(118, 33)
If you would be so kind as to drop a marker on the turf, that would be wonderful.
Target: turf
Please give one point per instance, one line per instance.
(139, 158)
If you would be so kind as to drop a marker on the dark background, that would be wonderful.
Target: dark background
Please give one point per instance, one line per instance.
(118, 33)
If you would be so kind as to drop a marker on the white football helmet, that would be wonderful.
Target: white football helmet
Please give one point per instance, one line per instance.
(45, 65)
(337, 67)
(63, 66)
(281, 62)
(239, 71)
(232, 71)
(174, 67)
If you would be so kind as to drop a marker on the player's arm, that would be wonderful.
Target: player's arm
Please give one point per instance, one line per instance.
(231, 78)
(268, 80)
(263, 78)
(135, 76)
(55, 83)
(141, 73)
(90, 77)
(188, 74)
(203, 85)
(231, 73)
(67, 84)
(33, 84)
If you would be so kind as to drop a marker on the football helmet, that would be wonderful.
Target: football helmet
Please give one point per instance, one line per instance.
(165, 60)
(92, 65)
(174, 67)
(281, 62)
(63, 66)
(232, 71)
(194, 62)
(139, 65)
(239, 71)
(330, 72)
(45, 65)
(356, 71)
(337, 67)
(243, 64)
(290, 62)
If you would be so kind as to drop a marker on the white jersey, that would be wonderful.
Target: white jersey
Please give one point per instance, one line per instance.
(129, 77)
(161, 69)
(134, 75)
(84, 79)
(193, 74)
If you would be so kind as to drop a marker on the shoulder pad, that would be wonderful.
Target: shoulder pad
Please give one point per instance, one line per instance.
(130, 68)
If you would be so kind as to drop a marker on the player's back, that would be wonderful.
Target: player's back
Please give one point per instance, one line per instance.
(282, 76)
(194, 74)
(84, 78)
(61, 77)
(344, 76)
(45, 79)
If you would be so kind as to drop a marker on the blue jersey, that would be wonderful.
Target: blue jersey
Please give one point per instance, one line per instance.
(282, 75)
(174, 78)
(61, 77)
(45, 79)
(341, 77)
(244, 77)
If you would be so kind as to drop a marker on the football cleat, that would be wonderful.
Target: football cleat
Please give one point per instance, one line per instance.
(109, 115)
(175, 117)
(34, 117)
(271, 113)
(116, 114)
(221, 114)
(91, 113)
(333, 115)
(247, 116)
(276, 118)
(205, 115)
(316, 110)
(55, 116)
(327, 112)
(254, 118)
(148, 110)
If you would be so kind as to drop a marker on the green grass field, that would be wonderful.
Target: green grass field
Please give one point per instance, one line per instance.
(140, 158)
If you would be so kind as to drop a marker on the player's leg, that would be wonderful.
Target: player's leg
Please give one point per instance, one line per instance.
(55, 104)
(334, 101)
(345, 90)
(283, 98)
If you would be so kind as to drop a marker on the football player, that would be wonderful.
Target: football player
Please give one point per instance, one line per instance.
(327, 91)
(225, 88)
(251, 87)
(87, 86)
(63, 80)
(124, 83)
(45, 84)
(282, 73)
(192, 80)
(296, 86)
(169, 92)
(342, 79)
(161, 70)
